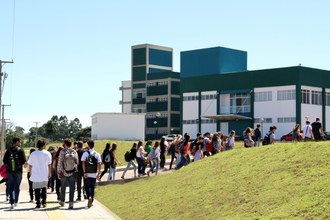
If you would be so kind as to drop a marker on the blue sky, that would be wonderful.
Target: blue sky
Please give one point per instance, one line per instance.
(71, 56)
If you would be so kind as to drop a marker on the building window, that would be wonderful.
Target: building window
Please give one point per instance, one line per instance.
(286, 119)
(240, 103)
(305, 96)
(190, 98)
(162, 83)
(162, 99)
(150, 100)
(263, 120)
(286, 95)
(263, 96)
(209, 121)
(151, 84)
(209, 97)
(139, 94)
(138, 110)
(316, 97)
(327, 98)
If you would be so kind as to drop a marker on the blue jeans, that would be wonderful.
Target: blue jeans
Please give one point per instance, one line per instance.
(131, 162)
(90, 187)
(71, 181)
(112, 173)
(13, 183)
(185, 159)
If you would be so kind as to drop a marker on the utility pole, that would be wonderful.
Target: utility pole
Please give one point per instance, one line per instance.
(36, 139)
(3, 148)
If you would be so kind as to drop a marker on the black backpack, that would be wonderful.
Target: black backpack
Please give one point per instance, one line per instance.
(266, 140)
(91, 163)
(13, 162)
(127, 156)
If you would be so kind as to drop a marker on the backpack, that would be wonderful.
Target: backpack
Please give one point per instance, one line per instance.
(69, 161)
(127, 156)
(107, 158)
(91, 163)
(13, 162)
(266, 140)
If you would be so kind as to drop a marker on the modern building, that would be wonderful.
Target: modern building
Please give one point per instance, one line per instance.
(126, 97)
(114, 126)
(217, 95)
(156, 89)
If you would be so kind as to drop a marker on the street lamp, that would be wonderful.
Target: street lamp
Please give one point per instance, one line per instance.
(261, 122)
(197, 122)
(156, 123)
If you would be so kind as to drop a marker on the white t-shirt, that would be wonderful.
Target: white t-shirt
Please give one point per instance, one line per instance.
(39, 160)
(307, 131)
(97, 156)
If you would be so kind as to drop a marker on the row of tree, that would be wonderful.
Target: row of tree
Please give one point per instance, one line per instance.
(55, 129)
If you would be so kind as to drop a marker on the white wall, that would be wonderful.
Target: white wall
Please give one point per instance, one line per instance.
(118, 126)
(224, 103)
(190, 112)
(274, 109)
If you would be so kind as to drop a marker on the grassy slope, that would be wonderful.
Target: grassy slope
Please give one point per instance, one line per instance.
(284, 181)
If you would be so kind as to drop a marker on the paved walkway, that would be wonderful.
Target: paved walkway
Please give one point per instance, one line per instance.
(25, 209)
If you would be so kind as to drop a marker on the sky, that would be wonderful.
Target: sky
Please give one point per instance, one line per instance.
(71, 56)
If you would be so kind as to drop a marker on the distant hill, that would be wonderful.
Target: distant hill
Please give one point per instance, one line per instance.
(282, 181)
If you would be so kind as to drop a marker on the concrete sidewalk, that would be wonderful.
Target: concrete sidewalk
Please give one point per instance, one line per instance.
(25, 209)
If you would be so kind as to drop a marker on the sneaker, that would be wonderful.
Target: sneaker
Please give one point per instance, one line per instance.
(85, 196)
(15, 204)
(90, 202)
(78, 200)
(70, 206)
(44, 205)
(122, 177)
(61, 203)
(31, 201)
(11, 207)
(37, 207)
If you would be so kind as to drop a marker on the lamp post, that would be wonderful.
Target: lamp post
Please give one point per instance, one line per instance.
(197, 122)
(156, 123)
(261, 122)
(36, 138)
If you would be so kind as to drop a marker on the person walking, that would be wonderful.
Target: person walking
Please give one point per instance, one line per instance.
(27, 168)
(307, 131)
(184, 151)
(40, 162)
(14, 159)
(140, 156)
(106, 159)
(257, 136)
(113, 162)
(57, 180)
(66, 168)
(91, 163)
(80, 172)
(163, 146)
(317, 129)
(131, 161)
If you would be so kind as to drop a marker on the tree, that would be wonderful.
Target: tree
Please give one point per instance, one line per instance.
(11, 133)
(74, 127)
(84, 133)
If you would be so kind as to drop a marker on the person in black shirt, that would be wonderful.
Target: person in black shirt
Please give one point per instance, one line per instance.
(15, 159)
(317, 129)
(131, 162)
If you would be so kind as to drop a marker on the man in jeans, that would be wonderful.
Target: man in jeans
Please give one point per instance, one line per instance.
(15, 159)
(92, 171)
(66, 171)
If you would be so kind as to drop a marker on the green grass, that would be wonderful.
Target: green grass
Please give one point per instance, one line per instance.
(282, 181)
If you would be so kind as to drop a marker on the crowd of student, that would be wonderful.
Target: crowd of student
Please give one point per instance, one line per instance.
(54, 169)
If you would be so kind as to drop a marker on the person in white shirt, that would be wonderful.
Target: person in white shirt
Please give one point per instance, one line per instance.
(307, 131)
(40, 171)
(91, 164)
